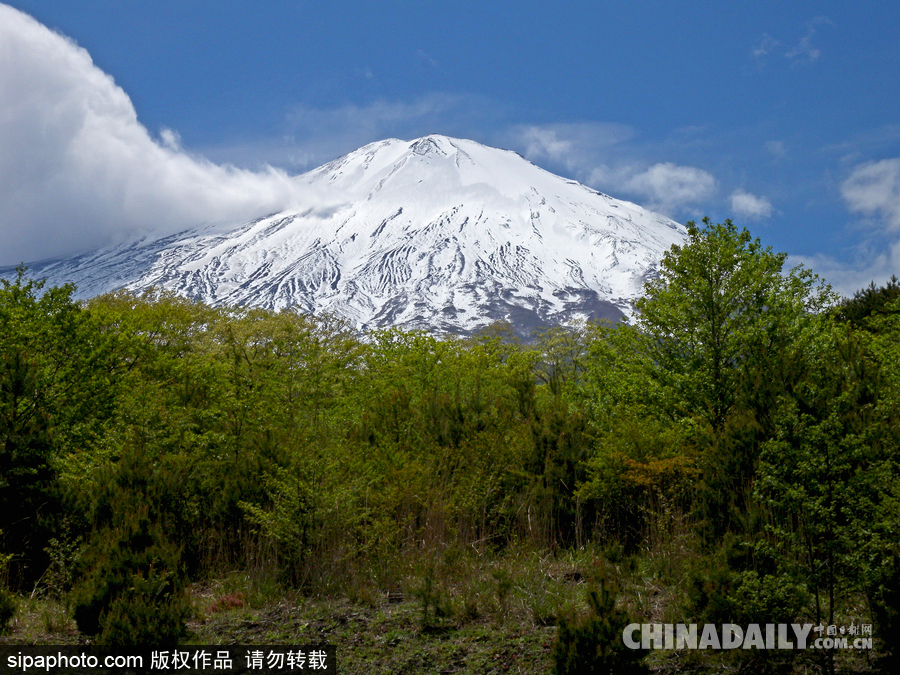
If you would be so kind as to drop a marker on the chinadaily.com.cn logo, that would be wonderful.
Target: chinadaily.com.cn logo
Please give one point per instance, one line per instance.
(751, 636)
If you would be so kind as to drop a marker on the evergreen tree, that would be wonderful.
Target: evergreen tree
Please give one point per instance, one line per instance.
(869, 302)
(593, 645)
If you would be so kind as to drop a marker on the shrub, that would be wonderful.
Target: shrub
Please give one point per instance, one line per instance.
(132, 590)
(435, 602)
(143, 617)
(884, 599)
(64, 553)
(593, 644)
(7, 601)
(7, 609)
(719, 594)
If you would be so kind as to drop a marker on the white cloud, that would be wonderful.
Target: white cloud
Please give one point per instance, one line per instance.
(847, 278)
(602, 156)
(424, 56)
(365, 73)
(873, 189)
(750, 206)
(668, 183)
(375, 118)
(804, 51)
(668, 187)
(545, 143)
(574, 146)
(171, 139)
(321, 134)
(78, 170)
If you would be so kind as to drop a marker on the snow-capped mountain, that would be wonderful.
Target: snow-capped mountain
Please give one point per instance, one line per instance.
(433, 233)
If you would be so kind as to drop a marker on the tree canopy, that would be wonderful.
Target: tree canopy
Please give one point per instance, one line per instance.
(720, 303)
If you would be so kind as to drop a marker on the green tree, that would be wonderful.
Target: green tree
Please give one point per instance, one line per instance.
(27, 482)
(57, 392)
(828, 476)
(133, 588)
(720, 304)
(720, 327)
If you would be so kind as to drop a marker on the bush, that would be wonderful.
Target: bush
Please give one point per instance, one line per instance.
(143, 617)
(7, 609)
(64, 553)
(718, 593)
(593, 644)
(435, 601)
(722, 595)
(133, 589)
(7, 601)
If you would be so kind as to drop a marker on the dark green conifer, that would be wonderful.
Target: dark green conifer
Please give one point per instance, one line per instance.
(593, 645)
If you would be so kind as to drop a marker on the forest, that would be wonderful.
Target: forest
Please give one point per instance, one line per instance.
(733, 449)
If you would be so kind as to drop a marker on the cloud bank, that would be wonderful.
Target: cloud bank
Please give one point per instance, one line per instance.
(670, 187)
(79, 170)
(599, 155)
(871, 190)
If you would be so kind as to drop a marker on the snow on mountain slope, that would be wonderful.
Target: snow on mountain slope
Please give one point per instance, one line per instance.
(433, 233)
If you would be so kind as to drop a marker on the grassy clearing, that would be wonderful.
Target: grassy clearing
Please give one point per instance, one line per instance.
(386, 638)
(449, 611)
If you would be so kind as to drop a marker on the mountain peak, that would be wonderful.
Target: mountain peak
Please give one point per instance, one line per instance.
(437, 233)
(433, 145)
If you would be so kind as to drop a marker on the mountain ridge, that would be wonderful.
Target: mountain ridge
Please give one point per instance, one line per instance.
(437, 233)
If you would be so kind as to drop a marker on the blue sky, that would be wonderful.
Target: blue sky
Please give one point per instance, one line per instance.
(784, 116)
